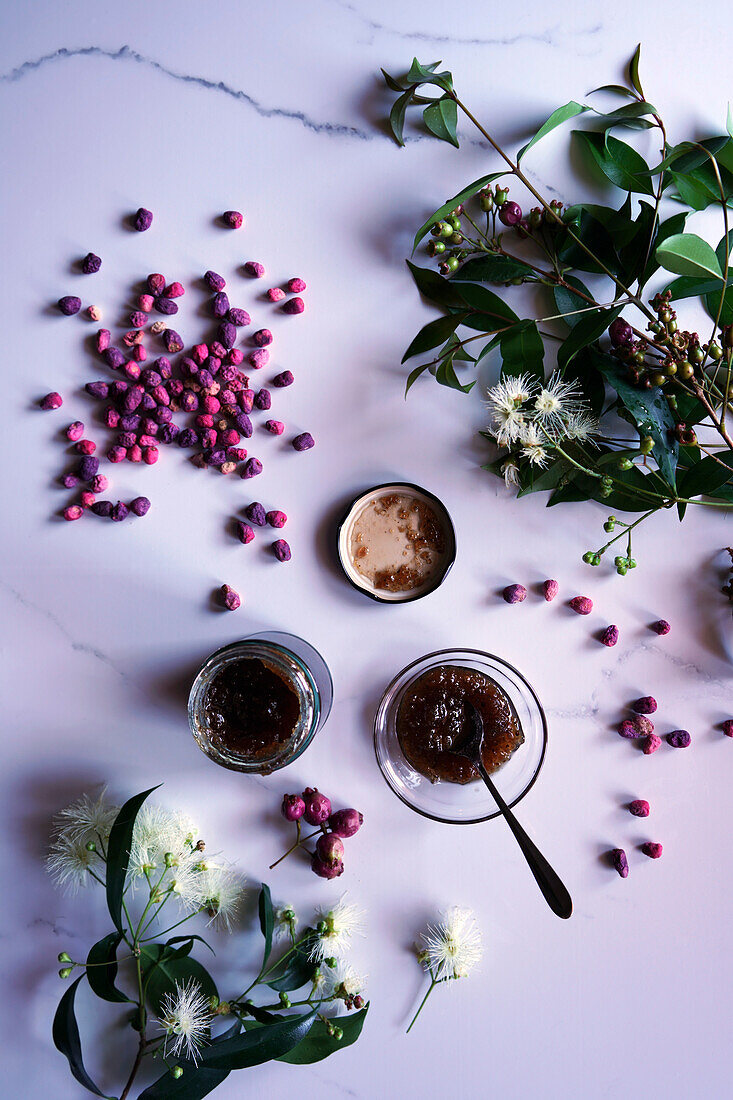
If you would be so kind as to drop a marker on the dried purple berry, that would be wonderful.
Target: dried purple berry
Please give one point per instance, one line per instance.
(609, 636)
(227, 333)
(102, 508)
(245, 533)
(116, 454)
(99, 389)
(69, 481)
(229, 597)
(213, 281)
(100, 483)
(113, 357)
(90, 263)
(69, 305)
(652, 849)
(174, 290)
(238, 317)
(75, 431)
(85, 446)
(246, 400)
(255, 512)
(639, 807)
(293, 306)
(727, 727)
(628, 729)
(679, 739)
(220, 304)
(119, 512)
(252, 468)
(51, 401)
(296, 286)
(345, 823)
(259, 358)
(145, 302)
(103, 338)
(620, 862)
(140, 506)
(187, 438)
(651, 744)
(661, 627)
(244, 425)
(262, 337)
(74, 511)
(281, 550)
(143, 219)
(88, 468)
(550, 589)
(285, 378)
(304, 442)
(263, 399)
(232, 219)
(514, 593)
(581, 605)
(254, 269)
(156, 283)
(646, 705)
(166, 306)
(276, 518)
(172, 341)
(138, 318)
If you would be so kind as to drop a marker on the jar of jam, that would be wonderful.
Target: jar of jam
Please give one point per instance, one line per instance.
(257, 704)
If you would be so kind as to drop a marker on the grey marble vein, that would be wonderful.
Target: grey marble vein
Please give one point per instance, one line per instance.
(128, 54)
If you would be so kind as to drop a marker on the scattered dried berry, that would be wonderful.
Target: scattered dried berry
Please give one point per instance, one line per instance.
(259, 358)
(639, 807)
(88, 468)
(550, 590)
(157, 328)
(156, 283)
(227, 333)
(304, 442)
(102, 508)
(90, 263)
(143, 219)
(232, 219)
(651, 744)
(140, 506)
(727, 727)
(173, 342)
(679, 739)
(275, 294)
(51, 401)
(87, 498)
(609, 636)
(245, 533)
(103, 338)
(281, 550)
(75, 431)
(252, 468)
(69, 305)
(85, 446)
(643, 725)
(254, 269)
(166, 306)
(119, 512)
(262, 337)
(238, 317)
(274, 427)
(294, 305)
(100, 483)
(263, 400)
(174, 290)
(255, 512)
(619, 862)
(69, 481)
(220, 304)
(74, 511)
(627, 729)
(581, 605)
(285, 378)
(295, 286)
(116, 454)
(514, 593)
(652, 849)
(145, 302)
(229, 597)
(646, 705)
(276, 519)
(94, 313)
(661, 627)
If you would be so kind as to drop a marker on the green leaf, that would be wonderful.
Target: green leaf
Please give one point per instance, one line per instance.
(462, 197)
(634, 71)
(587, 330)
(435, 288)
(618, 162)
(562, 114)
(446, 376)
(633, 255)
(441, 118)
(425, 74)
(688, 254)
(267, 920)
(187, 942)
(433, 333)
(258, 1045)
(453, 345)
(707, 476)
(712, 304)
(102, 968)
(583, 371)
(296, 968)
(616, 89)
(196, 1082)
(66, 1038)
(541, 481)
(595, 236)
(666, 229)
(495, 269)
(631, 115)
(567, 302)
(318, 1044)
(393, 84)
(414, 375)
(729, 121)
(163, 967)
(522, 350)
(397, 115)
(484, 301)
(118, 853)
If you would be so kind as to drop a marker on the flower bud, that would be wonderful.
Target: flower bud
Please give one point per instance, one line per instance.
(177, 1072)
(330, 849)
(64, 958)
(345, 823)
(293, 807)
(317, 807)
(284, 1000)
(65, 972)
(358, 1001)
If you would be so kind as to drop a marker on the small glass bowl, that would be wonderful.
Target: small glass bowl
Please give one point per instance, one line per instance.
(305, 671)
(455, 803)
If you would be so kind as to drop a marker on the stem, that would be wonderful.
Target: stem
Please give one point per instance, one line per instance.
(142, 1021)
(431, 987)
(170, 929)
(301, 840)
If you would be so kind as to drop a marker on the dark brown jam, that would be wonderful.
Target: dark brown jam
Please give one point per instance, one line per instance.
(251, 709)
(432, 717)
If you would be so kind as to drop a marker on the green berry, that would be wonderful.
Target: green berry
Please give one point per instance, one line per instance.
(64, 958)
(604, 491)
(619, 561)
(646, 445)
(685, 370)
(177, 1072)
(487, 202)
(501, 195)
(445, 229)
(588, 557)
(658, 379)
(607, 481)
(456, 238)
(284, 1000)
(455, 223)
(338, 1034)
(65, 971)
(321, 927)
(621, 569)
(91, 846)
(452, 263)
(696, 355)
(435, 229)
(715, 351)
(631, 563)
(625, 464)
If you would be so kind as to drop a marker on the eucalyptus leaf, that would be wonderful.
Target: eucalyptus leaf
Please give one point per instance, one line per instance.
(118, 853)
(588, 329)
(493, 268)
(462, 197)
(441, 118)
(712, 305)
(688, 254)
(634, 70)
(619, 162)
(67, 1040)
(259, 1045)
(434, 287)
(267, 920)
(522, 350)
(557, 118)
(102, 968)
(541, 481)
(434, 333)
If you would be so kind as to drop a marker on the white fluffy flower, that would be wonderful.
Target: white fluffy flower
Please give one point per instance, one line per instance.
(558, 400)
(213, 887)
(159, 832)
(343, 922)
(87, 818)
(534, 446)
(185, 1018)
(343, 981)
(451, 948)
(510, 470)
(69, 862)
(581, 427)
(86, 821)
(506, 401)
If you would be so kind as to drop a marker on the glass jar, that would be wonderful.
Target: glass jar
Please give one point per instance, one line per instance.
(298, 665)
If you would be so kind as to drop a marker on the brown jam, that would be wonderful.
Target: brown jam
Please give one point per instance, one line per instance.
(432, 717)
(251, 709)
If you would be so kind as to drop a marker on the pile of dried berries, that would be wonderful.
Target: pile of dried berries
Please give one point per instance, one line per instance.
(204, 383)
(327, 860)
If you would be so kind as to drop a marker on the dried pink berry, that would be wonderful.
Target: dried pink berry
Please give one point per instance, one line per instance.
(94, 313)
(326, 870)
(255, 513)
(75, 431)
(90, 264)
(550, 589)
(317, 806)
(646, 705)
(69, 481)
(652, 849)
(296, 286)
(514, 593)
(619, 862)
(245, 534)
(643, 725)
(100, 483)
(156, 283)
(661, 627)
(143, 219)
(275, 294)
(103, 338)
(173, 290)
(639, 807)
(151, 455)
(74, 511)
(232, 219)
(87, 498)
(727, 727)
(239, 317)
(229, 597)
(275, 427)
(135, 453)
(85, 447)
(157, 327)
(304, 442)
(679, 739)
(235, 356)
(345, 823)
(293, 306)
(252, 468)
(172, 341)
(581, 605)
(281, 550)
(116, 454)
(51, 401)
(627, 729)
(69, 305)
(330, 849)
(293, 807)
(609, 636)
(254, 269)
(259, 358)
(145, 302)
(276, 519)
(285, 378)
(651, 744)
(262, 337)
(139, 353)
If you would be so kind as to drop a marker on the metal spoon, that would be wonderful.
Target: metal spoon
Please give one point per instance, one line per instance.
(555, 893)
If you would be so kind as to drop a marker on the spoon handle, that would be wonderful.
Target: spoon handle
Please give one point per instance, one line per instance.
(549, 882)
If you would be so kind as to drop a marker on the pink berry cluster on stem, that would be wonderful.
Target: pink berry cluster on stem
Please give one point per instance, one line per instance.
(332, 828)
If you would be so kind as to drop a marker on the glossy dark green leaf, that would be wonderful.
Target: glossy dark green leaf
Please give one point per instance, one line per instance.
(688, 156)
(163, 967)
(118, 853)
(522, 350)
(595, 236)
(588, 329)
(712, 305)
(397, 115)
(260, 1044)
(619, 162)
(615, 89)
(441, 118)
(297, 968)
(688, 254)
(484, 301)
(267, 920)
(67, 1040)
(460, 353)
(692, 192)
(582, 370)
(542, 481)
(102, 968)
(620, 224)
(196, 1082)
(187, 943)
(707, 476)
(433, 333)
(557, 118)
(635, 252)
(393, 84)
(568, 302)
(666, 229)
(634, 71)
(435, 288)
(445, 375)
(632, 115)
(318, 1044)
(495, 269)
(414, 375)
(426, 74)
(462, 197)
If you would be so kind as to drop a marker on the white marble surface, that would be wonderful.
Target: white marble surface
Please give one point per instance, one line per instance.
(274, 109)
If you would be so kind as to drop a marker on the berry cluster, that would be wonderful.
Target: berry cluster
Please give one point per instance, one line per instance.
(327, 859)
